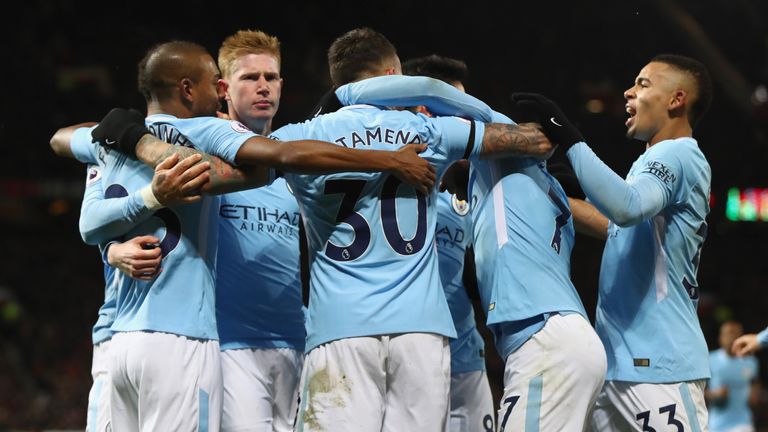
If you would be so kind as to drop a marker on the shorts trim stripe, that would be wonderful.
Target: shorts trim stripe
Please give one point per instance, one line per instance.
(690, 407)
(202, 421)
(302, 407)
(533, 409)
(93, 410)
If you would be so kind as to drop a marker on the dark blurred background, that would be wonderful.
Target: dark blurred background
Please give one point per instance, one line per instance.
(65, 63)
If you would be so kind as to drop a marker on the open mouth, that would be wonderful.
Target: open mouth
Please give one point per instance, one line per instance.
(632, 113)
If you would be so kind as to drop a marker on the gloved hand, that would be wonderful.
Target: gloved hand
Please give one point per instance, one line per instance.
(557, 127)
(121, 129)
(564, 174)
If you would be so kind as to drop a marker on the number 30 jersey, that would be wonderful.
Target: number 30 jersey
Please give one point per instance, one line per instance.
(373, 265)
(181, 300)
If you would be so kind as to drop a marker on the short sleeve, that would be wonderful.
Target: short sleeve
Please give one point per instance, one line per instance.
(458, 138)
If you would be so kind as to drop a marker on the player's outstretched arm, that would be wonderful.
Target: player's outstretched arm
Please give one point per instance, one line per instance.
(441, 99)
(221, 176)
(587, 219)
(525, 140)
(60, 141)
(750, 343)
(124, 130)
(320, 157)
(624, 203)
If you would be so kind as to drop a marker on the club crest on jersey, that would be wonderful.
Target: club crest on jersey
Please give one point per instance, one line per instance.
(94, 175)
(461, 207)
(238, 127)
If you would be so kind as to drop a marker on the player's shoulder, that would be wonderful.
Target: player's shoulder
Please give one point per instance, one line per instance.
(198, 122)
(683, 153)
(291, 131)
(683, 148)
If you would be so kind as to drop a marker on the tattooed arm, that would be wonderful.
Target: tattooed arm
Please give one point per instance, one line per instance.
(258, 153)
(503, 140)
(223, 177)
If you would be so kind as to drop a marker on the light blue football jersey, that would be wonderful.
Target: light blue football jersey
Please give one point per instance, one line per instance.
(373, 268)
(523, 230)
(102, 329)
(454, 231)
(736, 374)
(646, 312)
(523, 238)
(181, 299)
(258, 286)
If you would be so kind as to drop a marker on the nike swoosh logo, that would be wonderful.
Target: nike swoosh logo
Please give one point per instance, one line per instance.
(110, 142)
(552, 119)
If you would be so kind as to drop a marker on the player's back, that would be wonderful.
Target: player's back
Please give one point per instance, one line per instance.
(373, 268)
(648, 274)
(454, 231)
(524, 235)
(180, 300)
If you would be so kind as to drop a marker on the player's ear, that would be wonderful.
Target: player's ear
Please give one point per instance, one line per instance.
(678, 101)
(186, 87)
(222, 86)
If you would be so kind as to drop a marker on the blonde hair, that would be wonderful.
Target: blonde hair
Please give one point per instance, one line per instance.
(246, 42)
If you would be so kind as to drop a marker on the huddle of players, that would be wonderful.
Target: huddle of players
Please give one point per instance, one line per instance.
(378, 323)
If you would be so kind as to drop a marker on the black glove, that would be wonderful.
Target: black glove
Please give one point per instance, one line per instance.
(121, 129)
(564, 174)
(556, 125)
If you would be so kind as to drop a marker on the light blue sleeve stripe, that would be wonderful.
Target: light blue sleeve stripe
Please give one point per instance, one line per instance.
(690, 408)
(202, 421)
(93, 406)
(533, 409)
